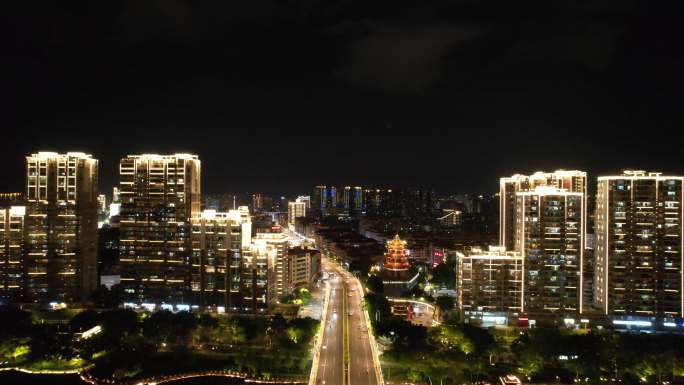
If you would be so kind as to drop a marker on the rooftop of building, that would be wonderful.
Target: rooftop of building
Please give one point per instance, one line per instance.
(42, 155)
(639, 174)
(165, 156)
(493, 252)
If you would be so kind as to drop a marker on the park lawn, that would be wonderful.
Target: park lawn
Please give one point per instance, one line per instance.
(258, 362)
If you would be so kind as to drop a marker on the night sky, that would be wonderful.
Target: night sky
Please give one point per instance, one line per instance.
(279, 95)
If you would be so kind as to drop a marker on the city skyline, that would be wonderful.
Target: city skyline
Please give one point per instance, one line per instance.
(108, 176)
(342, 192)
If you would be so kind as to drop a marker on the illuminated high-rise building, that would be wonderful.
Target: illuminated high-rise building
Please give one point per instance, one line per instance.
(295, 210)
(490, 283)
(550, 229)
(258, 277)
(573, 181)
(217, 242)
(353, 199)
(102, 210)
(305, 266)
(306, 199)
(159, 195)
(61, 226)
(324, 200)
(257, 202)
(638, 245)
(12, 252)
(281, 284)
(380, 202)
(415, 203)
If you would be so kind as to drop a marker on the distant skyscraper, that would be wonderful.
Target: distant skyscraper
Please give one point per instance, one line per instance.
(317, 199)
(325, 200)
(353, 199)
(380, 202)
(295, 210)
(257, 202)
(61, 226)
(102, 210)
(451, 218)
(217, 242)
(573, 181)
(550, 229)
(415, 203)
(638, 247)
(11, 252)
(159, 194)
(306, 199)
(102, 203)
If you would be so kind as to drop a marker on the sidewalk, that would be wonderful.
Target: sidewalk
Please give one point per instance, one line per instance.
(314, 308)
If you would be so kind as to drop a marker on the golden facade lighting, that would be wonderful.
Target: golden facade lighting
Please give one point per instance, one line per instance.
(295, 210)
(215, 264)
(11, 252)
(550, 235)
(575, 181)
(159, 195)
(639, 237)
(61, 222)
(490, 281)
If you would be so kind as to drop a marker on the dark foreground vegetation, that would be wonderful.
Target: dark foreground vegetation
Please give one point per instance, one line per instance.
(458, 353)
(133, 345)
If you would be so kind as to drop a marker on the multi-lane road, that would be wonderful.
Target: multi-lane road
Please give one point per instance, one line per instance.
(331, 358)
(345, 312)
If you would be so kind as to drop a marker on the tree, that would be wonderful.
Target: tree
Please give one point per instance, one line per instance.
(483, 341)
(278, 323)
(166, 327)
(118, 323)
(446, 303)
(378, 307)
(375, 284)
(208, 321)
(14, 349)
(444, 275)
(14, 322)
(103, 297)
(306, 328)
(84, 320)
(451, 339)
(237, 332)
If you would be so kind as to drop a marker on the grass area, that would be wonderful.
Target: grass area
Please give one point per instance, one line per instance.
(133, 345)
(56, 364)
(258, 362)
